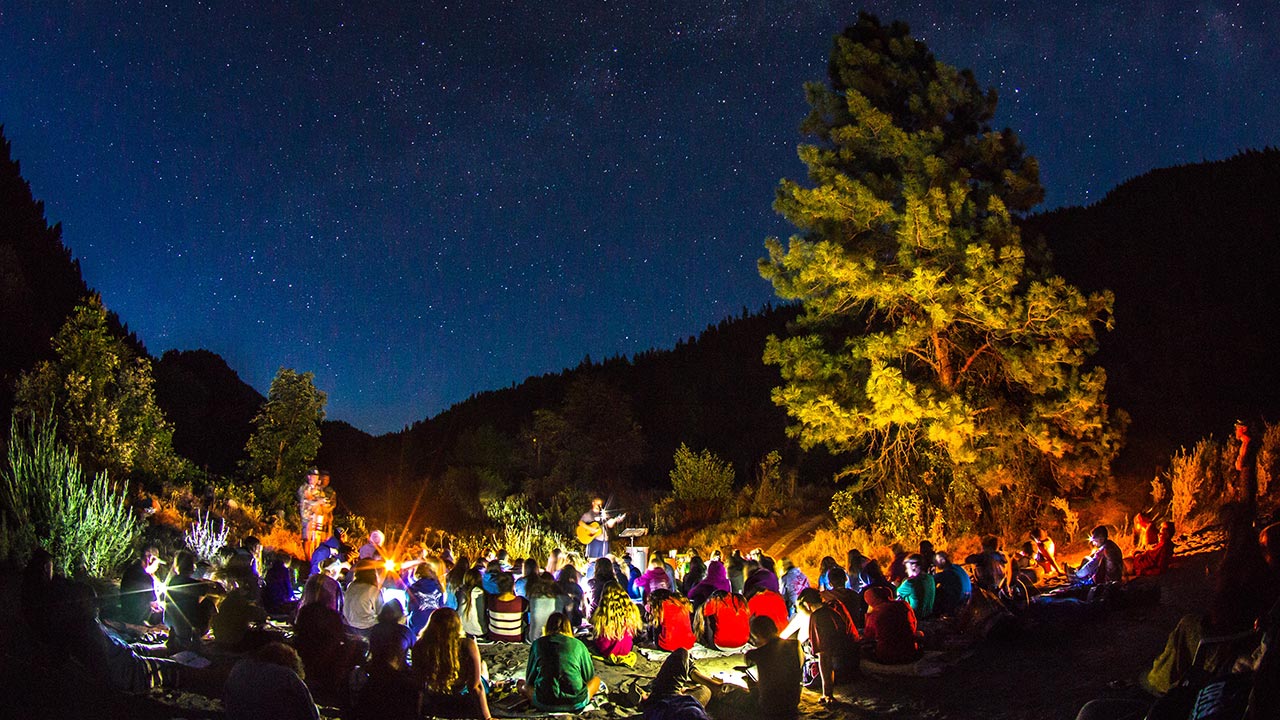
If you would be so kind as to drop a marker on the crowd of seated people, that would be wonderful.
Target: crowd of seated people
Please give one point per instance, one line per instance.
(400, 637)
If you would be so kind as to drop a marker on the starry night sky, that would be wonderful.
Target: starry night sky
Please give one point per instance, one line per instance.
(419, 204)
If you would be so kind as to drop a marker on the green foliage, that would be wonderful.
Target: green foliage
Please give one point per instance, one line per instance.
(848, 505)
(520, 531)
(771, 492)
(901, 516)
(700, 477)
(593, 440)
(286, 437)
(932, 344)
(85, 524)
(102, 397)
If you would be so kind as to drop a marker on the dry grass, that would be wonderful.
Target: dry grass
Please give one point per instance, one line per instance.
(283, 540)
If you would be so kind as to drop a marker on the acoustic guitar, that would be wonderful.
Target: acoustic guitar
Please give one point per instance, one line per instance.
(588, 532)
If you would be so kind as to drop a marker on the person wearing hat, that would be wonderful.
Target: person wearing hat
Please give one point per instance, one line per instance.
(140, 591)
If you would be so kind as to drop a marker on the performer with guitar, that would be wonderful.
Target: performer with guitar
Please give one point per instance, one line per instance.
(593, 529)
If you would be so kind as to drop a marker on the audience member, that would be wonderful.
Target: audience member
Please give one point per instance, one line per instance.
(918, 588)
(833, 639)
(267, 685)
(890, 632)
(506, 612)
(448, 665)
(726, 621)
(559, 676)
(953, 585)
(778, 662)
(672, 621)
(615, 622)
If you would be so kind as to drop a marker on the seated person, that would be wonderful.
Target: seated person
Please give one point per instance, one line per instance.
(391, 636)
(279, 594)
(989, 566)
(616, 622)
(779, 665)
(1155, 559)
(559, 676)
(833, 639)
(680, 690)
(759, 577)
(671, 624)
(363, 598)
(268, 685)
(767, 603)
(139, 601)
(918, 589)
(506, 611)
(891, 629)
(1024, 564)
(1045, 552)
(952, 583)
(192, 602)
(726, 621)
(655, 578)
(449, 669)
(1106, 564)
(850, 600)
(864, 572)
(1145, 532)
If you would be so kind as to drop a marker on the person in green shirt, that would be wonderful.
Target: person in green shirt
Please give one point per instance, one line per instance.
(918, 590)
(560, 676)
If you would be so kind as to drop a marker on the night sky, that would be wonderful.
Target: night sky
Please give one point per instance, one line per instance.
(421, 204)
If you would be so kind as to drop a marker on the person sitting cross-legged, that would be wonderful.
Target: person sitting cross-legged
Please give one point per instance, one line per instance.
(559, 676)
(918, 589)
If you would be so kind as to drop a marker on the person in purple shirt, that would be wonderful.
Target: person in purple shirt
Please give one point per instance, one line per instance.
(717, 579)
(655, 578)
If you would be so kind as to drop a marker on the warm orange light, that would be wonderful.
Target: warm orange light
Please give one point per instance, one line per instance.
(391, 565)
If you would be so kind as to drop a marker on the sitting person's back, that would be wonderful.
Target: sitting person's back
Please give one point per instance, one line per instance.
(726, 621)
(767, 603)
(953, 585)
(559, 675)
(776, 689)
(267, 685)
(918, 589)
(506, 611)
(989, 566)
(449, 669)
(891, 627)
(672, 621)
(616, 622)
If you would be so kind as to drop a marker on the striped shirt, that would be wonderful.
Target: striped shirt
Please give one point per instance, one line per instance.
(506, 619)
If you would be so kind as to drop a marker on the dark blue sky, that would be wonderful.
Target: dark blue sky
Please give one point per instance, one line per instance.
(418, 204)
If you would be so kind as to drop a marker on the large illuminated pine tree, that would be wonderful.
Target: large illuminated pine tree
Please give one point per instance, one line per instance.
(932, 345)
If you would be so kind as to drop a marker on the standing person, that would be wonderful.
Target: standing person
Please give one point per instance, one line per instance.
(310, 500)
(833, 639)
(559, 676)
(1247, 465)
(139, 600)
(737, 570)
(793, 582)
(593, 529)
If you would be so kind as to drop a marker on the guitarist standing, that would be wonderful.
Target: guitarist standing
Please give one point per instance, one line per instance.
(593, 529)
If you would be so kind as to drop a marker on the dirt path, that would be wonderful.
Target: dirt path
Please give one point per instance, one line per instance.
(794, 538)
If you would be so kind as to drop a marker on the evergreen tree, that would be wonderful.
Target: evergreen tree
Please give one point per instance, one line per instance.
(101, 395)
(286, 436)
(932, 344)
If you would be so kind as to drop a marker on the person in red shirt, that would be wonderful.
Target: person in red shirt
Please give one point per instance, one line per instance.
(672, 621)
(1155, 559)
(767, 603)
(726, 621)
(891, 626)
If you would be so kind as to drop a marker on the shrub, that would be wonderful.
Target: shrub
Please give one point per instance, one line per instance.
(1070, 519)
(700, 477)
(520, 532)
(1197, 482)
(901, 516)
(1269, 462)
(847, 506)
(83, 524)
(205, 540)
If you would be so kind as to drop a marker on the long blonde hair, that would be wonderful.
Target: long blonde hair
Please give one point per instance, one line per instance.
(437, 652)
(617, 616)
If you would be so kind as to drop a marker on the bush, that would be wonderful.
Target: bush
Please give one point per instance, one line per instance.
(520, 532)
(205, 540)
(901, 516)
(84, 524)
(700, 477)
(1198, 484)
(1070, 520)
(1269, 466)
